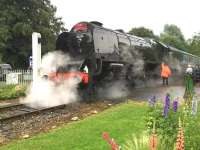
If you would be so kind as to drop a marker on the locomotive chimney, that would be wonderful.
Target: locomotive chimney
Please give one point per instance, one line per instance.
(120, 30)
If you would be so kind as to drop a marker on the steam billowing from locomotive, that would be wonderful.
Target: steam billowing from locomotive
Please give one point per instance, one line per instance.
(47, 93)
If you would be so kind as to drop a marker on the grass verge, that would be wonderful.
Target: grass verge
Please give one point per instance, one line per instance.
(12, 91)
(120, 122)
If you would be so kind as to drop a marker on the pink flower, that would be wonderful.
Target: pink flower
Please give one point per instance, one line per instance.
(110, 141)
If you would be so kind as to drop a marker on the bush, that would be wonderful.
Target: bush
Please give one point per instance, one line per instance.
(12, 91)
(142, 142)
(166, 127)
(192, 132)
(137, 143)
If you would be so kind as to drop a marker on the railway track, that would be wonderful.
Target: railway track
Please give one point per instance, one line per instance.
(15, 111)
(18, 120)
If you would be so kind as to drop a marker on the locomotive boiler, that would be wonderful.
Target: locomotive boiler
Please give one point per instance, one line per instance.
(105, 55)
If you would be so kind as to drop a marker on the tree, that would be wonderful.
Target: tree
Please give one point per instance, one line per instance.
(19, 18)
(173, 36)
(194, 45)
(142, 32)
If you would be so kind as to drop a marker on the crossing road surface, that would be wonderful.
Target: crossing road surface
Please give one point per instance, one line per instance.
(160, 92)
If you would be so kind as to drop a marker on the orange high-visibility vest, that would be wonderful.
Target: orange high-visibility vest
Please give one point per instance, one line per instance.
(165, 71)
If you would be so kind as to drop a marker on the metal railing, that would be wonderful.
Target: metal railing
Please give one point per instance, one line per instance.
(17, 76)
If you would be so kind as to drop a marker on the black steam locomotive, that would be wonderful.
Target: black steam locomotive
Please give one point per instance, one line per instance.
(114, 55)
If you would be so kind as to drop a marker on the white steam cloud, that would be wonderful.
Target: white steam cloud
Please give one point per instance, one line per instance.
(52, 60)
(135, 59)
(175, 65)
(115, 89)
(46, 93)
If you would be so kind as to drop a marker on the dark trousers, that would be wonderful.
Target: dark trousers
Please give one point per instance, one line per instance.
(165, 80)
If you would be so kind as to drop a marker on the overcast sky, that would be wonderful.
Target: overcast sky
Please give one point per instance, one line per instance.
(125, 14)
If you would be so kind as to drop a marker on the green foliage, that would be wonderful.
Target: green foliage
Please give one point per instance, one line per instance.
(137, 143)
(192, 132)
(166, 128)
(189, 90)
(142, 143)
(194, 45)
(173, 36)
(12, 91)
(19, 18)
(143, 32)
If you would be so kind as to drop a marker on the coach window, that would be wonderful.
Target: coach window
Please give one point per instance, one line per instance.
(195, 60)
(185, 59)
(171, 56)
(189, 59)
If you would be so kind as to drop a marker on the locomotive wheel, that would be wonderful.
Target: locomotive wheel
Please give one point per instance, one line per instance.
(89, 90)
(133, 79)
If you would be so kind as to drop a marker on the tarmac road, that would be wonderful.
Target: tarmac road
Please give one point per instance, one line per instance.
(160, 92)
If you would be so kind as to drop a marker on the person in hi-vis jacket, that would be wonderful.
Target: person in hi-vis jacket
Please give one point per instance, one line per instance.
(165, 73)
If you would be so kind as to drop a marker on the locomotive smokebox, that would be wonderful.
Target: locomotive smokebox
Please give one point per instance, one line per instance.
(68, 43)
(77, 43)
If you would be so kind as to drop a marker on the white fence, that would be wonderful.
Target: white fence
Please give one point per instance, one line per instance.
(16, 77)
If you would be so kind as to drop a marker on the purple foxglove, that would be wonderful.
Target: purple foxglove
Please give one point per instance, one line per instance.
(175, 105)
(167, 105)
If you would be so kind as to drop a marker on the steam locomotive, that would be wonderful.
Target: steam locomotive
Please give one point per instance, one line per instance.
(103, 54)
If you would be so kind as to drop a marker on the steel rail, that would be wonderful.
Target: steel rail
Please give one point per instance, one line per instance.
(25, 111)
(3, 107)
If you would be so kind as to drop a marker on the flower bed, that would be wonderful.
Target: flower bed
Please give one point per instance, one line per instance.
(171, 124)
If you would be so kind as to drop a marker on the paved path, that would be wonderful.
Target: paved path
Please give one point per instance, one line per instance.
(142, 93)
(161, 91)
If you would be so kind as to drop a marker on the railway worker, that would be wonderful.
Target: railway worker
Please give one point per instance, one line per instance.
(85, 69)
(189, 70)
(165, 73)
